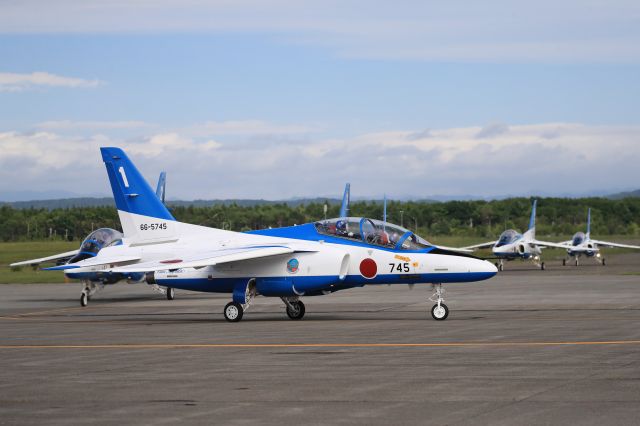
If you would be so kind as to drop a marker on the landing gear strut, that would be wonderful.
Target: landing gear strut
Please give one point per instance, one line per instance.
(439, 311)
(295, 308)
(89, 288)
(242, 298)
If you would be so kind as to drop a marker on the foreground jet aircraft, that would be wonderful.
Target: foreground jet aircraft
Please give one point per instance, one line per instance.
(582, 245)
(90, 246)
(306, 260)
(513, 245)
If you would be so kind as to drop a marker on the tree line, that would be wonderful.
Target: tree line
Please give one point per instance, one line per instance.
(556, 216)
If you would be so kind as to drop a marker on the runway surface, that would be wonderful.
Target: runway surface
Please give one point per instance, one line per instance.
(527, 347)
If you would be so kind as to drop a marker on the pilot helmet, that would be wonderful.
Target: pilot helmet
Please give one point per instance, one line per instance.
(341, 225)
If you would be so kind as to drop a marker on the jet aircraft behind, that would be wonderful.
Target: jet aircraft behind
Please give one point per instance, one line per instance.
(582, 245)
(92, 282)
(306, 260)
(513, 245)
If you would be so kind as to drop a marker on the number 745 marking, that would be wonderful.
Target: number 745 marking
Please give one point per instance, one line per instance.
(399, 267)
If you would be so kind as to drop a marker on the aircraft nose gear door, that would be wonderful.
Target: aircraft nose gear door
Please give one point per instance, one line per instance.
(243, 296)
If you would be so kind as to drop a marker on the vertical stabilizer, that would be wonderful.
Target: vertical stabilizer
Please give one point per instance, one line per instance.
(384, 212)
(589, 224)
(162, 186)
(531, 231)
(143, 217)
(346, 199)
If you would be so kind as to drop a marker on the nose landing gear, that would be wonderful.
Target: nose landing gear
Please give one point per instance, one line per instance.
(439, 311)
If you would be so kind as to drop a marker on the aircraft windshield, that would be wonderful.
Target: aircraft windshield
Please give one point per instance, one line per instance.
(99, 239)
(578, 239)
(372, 231)
(508, 237)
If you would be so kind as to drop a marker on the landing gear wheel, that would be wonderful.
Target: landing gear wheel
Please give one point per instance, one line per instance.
(501, 267)
(440, 313)
(233, 312)
(604, 262)
(542, 266)
(171, 293)
(298, 310)
(564, 262)
(84, 299)
(577, 262)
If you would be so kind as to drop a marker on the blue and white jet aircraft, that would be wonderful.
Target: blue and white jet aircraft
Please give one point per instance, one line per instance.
(513, 245)
(305, 260)
(89, 248)
(582, 245)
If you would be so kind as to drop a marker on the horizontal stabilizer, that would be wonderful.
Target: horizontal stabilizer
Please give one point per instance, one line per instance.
(53, 258)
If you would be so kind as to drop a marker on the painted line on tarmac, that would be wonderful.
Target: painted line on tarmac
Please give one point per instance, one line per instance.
(320, 345)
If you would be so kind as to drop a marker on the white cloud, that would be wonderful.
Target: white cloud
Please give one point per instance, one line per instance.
(491, 30)
(525, 160)
(88, 125)
(15, 82)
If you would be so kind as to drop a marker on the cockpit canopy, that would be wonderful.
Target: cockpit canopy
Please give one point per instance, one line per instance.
(578, 238)
(372, 231)
(508, 237)
(99, 239)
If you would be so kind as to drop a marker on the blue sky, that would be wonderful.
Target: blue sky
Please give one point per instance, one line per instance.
(240, 99)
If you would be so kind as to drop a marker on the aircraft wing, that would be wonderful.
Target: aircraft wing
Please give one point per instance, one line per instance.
(615, 245)
(479, 246)
(458, 249)
(52, 258)
(209, 258)
(553, 245)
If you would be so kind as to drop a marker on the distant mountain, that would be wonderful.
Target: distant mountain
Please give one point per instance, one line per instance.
(622, 195)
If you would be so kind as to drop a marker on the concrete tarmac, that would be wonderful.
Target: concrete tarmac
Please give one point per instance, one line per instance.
(560, 346)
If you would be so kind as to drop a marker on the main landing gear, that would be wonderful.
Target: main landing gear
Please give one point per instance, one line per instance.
(439, 311)
(234, 311)
(295, 308)
(500, 265)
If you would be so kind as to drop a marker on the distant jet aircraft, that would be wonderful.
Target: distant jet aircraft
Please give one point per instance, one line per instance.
(307, 260)
(89, 248)
(512, 245)
(582, 245)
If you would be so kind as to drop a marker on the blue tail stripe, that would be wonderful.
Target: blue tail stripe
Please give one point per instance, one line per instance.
(131, 191)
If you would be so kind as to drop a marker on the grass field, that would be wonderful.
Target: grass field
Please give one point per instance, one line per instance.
(13, 252)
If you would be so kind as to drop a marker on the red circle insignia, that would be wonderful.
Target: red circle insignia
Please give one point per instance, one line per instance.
(368, 268)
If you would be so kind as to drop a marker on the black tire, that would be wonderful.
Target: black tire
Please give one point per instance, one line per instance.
(564, 262)
(171, 293)
(233, 312)
(604, 262)
(438, 316)
(84, 299)
(299, 311)
(542, 266)
(501, 267)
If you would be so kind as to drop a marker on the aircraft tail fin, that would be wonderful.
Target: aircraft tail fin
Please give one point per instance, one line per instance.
(531, 231)
(162, 184)
(143, 217)
(384, 211)
(346, 199)
(589, 223)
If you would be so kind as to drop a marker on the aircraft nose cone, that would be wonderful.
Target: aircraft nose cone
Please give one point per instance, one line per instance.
(486, 268)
